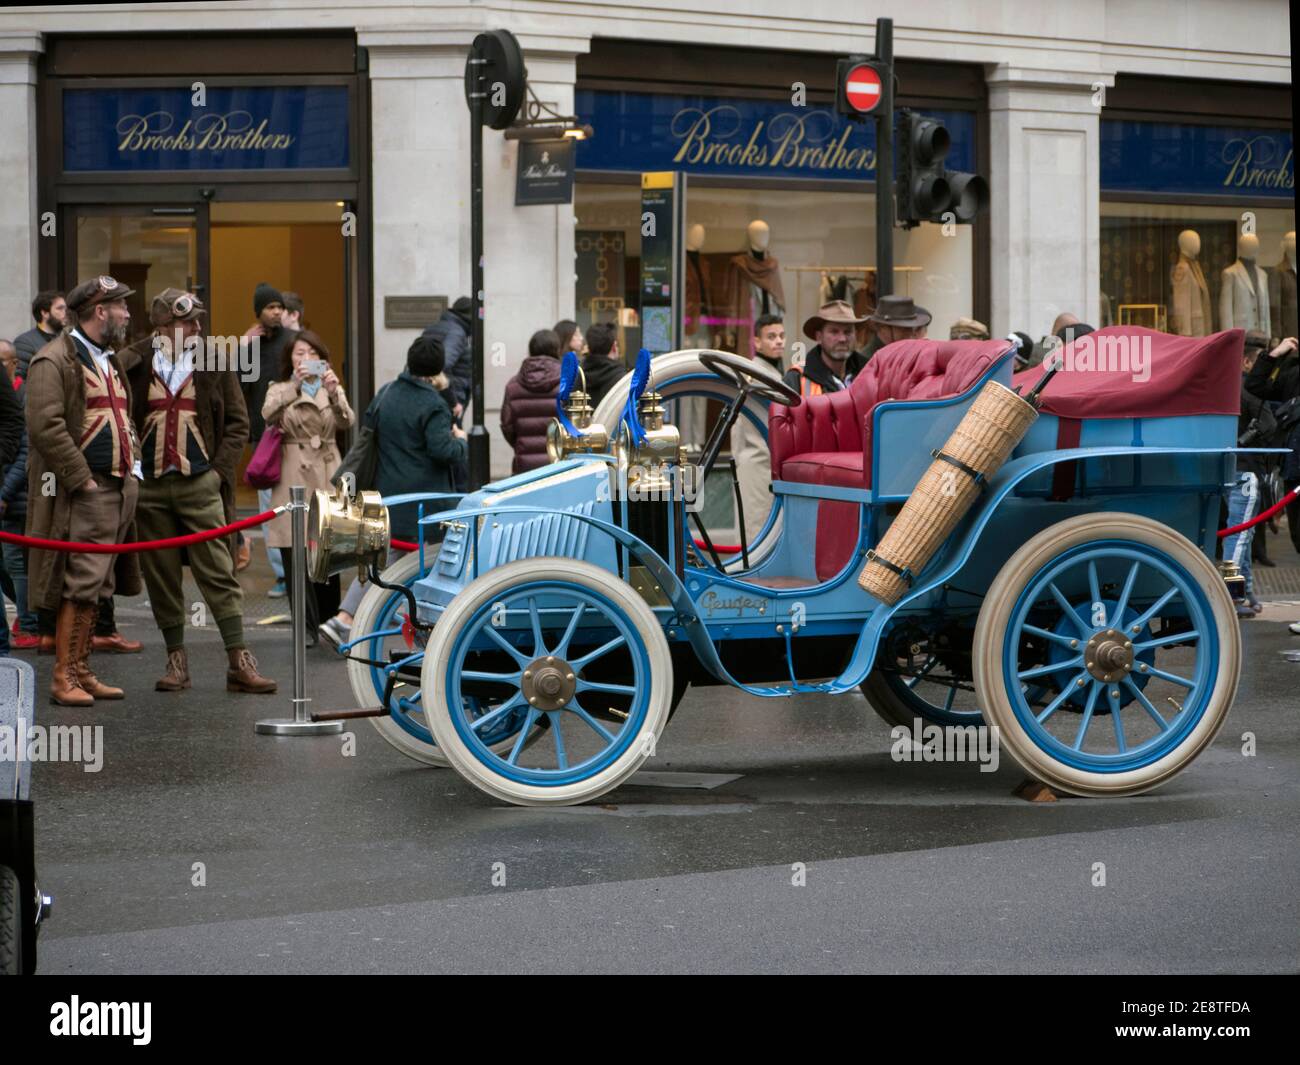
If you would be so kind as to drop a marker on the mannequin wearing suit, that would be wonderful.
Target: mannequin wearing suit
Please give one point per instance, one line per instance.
(1243, 300)
(1191, 295)
(1281, 291)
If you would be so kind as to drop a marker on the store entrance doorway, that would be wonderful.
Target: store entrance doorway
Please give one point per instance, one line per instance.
(222, 251)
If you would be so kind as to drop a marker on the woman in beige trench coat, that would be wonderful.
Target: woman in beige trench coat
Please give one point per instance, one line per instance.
(308, 407)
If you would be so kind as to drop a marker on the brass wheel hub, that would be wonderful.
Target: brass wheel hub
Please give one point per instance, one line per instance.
(549, 683)
(1109, 655)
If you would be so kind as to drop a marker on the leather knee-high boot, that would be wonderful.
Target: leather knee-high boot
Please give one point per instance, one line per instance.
(85, 630)
(66, 689)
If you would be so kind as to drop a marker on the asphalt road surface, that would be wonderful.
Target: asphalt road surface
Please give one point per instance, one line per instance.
(202, 847)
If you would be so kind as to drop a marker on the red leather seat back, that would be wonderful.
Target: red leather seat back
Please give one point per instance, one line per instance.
(908, 369)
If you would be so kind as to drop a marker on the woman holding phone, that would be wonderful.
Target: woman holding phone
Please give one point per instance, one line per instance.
(306, 403)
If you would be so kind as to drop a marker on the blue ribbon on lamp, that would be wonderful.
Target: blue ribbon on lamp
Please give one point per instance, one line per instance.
(568, 375)
(640, 378)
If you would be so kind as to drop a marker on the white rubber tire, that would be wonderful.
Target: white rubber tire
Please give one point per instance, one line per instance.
(490, 587)
(664, 370)
(990, 632)
(402, 571)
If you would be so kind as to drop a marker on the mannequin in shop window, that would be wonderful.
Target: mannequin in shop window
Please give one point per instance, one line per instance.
(1192, 315)
(1281, 291)
(753, 283)
(698, 287)
(1243, 299)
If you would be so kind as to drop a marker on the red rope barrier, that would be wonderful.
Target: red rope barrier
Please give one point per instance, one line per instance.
(143, 545)
(1279, 505)
(404, 545)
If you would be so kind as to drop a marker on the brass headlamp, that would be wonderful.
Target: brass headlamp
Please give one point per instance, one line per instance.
(345, 532)
(560, 443)
(647, 463)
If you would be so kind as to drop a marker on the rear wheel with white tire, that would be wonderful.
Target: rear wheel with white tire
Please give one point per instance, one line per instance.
(1130, 630)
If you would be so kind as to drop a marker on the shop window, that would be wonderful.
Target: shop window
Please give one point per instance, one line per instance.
(824, 243)
(1150, 277)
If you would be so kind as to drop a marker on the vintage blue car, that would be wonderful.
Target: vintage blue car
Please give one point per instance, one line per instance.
(542, 647)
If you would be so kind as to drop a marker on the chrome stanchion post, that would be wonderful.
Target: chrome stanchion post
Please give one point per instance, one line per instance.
(299, 725)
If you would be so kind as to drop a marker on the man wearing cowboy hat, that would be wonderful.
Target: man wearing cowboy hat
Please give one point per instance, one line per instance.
(832, 362)
(896, 318)
(192, 425)
(81, 478)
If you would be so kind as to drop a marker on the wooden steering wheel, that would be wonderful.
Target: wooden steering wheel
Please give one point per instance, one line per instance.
(752, 375)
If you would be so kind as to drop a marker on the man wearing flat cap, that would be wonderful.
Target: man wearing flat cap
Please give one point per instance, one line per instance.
(190, 417)
(831, 364)
(896, 318)
(81, 479)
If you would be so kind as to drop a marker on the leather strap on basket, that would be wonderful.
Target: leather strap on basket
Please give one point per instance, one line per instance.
(970, 471)
(906, 574)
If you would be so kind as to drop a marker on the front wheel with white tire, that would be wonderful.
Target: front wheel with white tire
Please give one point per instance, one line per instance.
(1129, 630)
(573, 648)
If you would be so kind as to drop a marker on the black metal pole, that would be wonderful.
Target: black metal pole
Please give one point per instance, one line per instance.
(479, 462)
(885, 159)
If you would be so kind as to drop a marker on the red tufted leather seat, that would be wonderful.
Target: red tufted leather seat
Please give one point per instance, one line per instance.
(826, 440)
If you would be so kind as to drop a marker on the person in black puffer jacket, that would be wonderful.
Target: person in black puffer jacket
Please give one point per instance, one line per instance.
(529, 402)
(603, 365)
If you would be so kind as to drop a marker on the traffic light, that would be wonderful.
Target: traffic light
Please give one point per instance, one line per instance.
(926, 191)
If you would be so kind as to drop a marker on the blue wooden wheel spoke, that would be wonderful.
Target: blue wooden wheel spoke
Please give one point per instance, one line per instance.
(1121, 604)
(1141, 697)
(507, 646)
(1052, 707)
(1068, 610)
(1173, 678)
(1161, 641)
(952, 694)
(562, 648)
(1051, 667)
(930, 663)
(1055, 637)
(539, 645)
(596, 725)
(1093, 692)
(495, 715)
(561, 760)
(529, 721)
(599, 686)
(603, 649)
(1137, 623)
(1112, 697)
(1094, 584)
(494, 678)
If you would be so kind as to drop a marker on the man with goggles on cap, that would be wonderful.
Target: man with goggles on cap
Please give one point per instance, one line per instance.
(81, 479)
(192, 425)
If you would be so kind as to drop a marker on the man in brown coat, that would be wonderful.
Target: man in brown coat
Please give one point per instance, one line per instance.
(81, 481)
(190, 417)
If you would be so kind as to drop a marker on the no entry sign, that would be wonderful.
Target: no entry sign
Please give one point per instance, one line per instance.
(862, 88)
